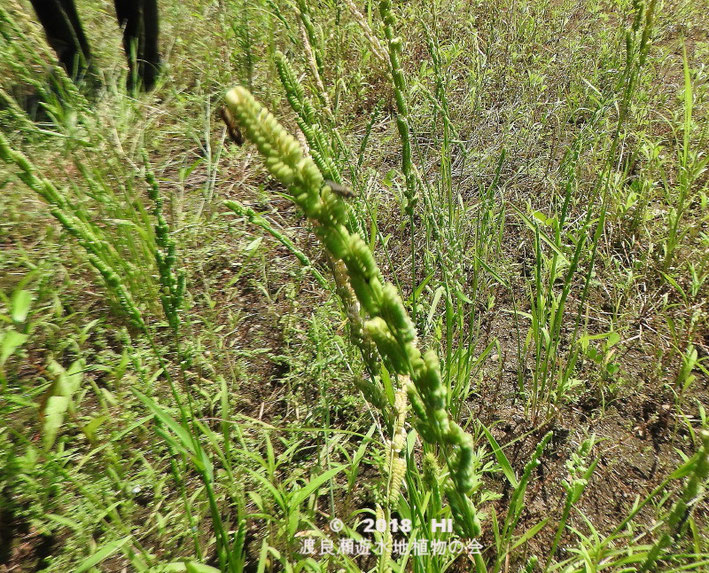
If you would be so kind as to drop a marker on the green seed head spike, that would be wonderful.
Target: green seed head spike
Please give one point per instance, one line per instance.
(387, 323)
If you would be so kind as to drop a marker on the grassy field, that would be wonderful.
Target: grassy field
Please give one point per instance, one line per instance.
(461, 274)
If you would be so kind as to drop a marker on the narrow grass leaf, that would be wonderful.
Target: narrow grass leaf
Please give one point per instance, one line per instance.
(314, 484)
(169, 421)
(501, 458)
(529, 534)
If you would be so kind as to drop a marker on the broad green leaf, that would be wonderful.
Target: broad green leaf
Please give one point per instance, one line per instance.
(54, 410)
(101, 554)
(434, 305)
(293, 521)
(237, 550)
(685, 469)
(675, 284)
(419, 289)
(10, 342)
(584, 340)
(65, 521)
(263, 557)
(253, 246)
(388, 386)
(194, 567)
(613, 339)
(460, 295)
(90, 428)
(542, 217)
(21, 301)
(65, 385)
(175, 567)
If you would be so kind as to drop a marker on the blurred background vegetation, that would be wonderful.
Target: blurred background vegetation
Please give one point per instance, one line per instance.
(179, 384)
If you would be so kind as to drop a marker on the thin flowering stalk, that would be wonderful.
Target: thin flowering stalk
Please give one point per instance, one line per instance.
(394, 45)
